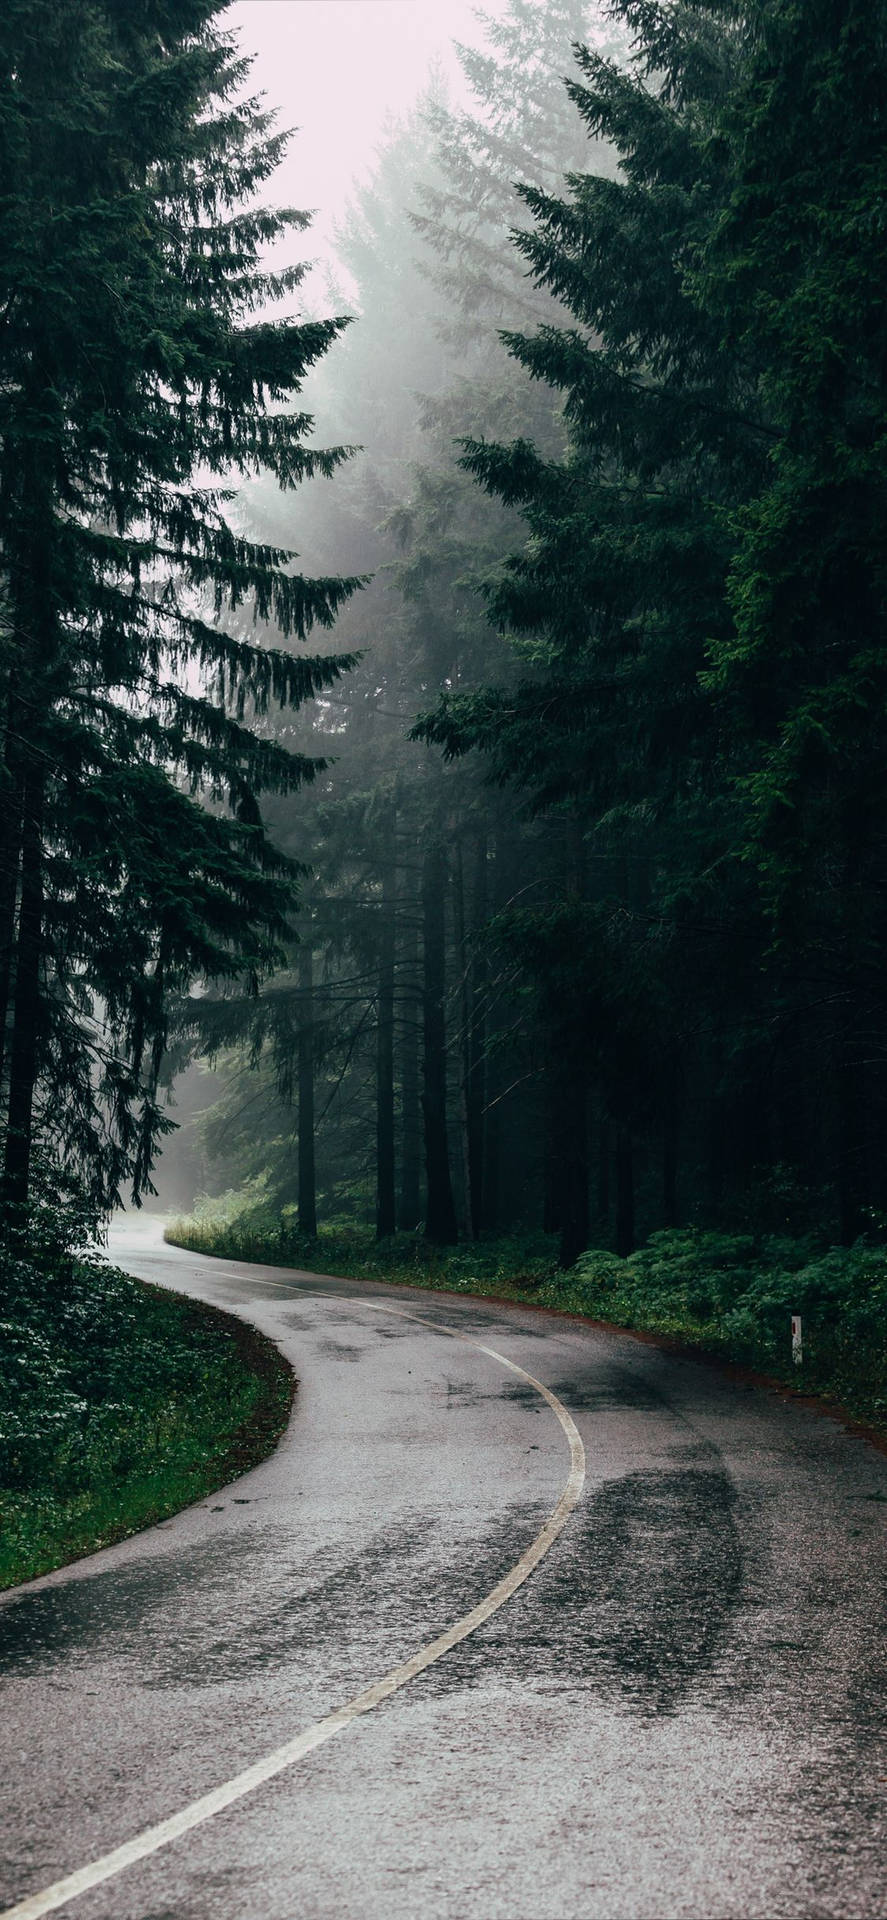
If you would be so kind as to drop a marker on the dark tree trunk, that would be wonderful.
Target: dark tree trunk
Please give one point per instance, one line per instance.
(440, 1219)
(570, 1136)
(625, 1230)
(556, 1148)
(850, 1095)
(755, 1120)
(552, 1182)
(410, 1205)
(669, 1178)
(476, 1091)
(385, 1171)
(851, 1146)
(10, 865)
(718, 1149)
(492, 1164)
(670, 1158)
(603, 1171)
(466, 1216)
(307, 1176)
(27, 1008)
(473, 991)
(502, 876)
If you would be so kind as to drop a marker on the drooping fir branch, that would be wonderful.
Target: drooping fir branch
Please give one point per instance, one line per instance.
(136, 355)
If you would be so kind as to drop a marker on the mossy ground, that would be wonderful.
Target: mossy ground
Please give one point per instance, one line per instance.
(121, 1404)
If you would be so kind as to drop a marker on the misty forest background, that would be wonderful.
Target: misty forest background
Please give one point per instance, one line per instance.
(596, 944)
(538, 902)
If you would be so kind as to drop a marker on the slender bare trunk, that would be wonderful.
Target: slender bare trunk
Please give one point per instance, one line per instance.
(625, 1228)
(571, 1136)
(476, 1081)
(385, 1170)
(409, 1212)
(603, 1170)
(670, 1155)
(10, 870)
(27, 1005)
(440, 1219)
(307, 1176)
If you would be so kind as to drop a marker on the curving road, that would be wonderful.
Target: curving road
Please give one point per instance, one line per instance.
(679, 1712)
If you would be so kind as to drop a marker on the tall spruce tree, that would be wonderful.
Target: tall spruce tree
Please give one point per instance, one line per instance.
(620, 588)
(794, 276)
(138, 370)
(701, 602)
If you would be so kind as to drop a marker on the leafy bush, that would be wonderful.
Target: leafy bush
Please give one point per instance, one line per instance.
(737, 1293)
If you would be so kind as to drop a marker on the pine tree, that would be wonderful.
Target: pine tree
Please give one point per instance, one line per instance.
(621, 585)
(519, 126)
(794, 275)
(136, 359)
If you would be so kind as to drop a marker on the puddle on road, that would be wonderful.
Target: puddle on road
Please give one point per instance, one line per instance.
(366, 1323)
(297, 1610)
(486, 1327)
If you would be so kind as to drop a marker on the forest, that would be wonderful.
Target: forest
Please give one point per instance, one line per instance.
(501, 901)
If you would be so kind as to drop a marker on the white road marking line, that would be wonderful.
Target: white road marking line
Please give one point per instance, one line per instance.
(209, 1804)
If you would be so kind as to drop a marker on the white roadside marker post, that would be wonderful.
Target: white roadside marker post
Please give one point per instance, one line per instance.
(797, 1341)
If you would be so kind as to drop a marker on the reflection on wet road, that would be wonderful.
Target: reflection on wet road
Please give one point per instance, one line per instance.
(681, 1712)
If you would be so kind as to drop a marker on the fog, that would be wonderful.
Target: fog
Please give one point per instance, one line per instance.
(392, 127)
(338, 72)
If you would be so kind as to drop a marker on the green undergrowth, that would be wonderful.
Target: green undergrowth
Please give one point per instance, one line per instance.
(731, 1295)
(734, 1295)
(119, 1404)
(513, 1265)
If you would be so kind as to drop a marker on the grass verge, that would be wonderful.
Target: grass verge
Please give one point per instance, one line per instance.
(120, 1403)
(727, 1295)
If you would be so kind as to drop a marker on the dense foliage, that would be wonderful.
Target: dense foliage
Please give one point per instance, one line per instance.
(699, 609)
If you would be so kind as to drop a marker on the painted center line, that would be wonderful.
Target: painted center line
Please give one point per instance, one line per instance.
(151, 1839)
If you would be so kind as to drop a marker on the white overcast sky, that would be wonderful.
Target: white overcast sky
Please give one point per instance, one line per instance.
(337, 70)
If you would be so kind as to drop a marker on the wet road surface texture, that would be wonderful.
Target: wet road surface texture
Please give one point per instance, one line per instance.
(681, 1712)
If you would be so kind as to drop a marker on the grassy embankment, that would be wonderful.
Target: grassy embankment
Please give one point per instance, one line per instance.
(119, 1404)
(731, 1295)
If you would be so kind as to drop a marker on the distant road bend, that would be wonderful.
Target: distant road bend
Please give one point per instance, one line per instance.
(598, 1633)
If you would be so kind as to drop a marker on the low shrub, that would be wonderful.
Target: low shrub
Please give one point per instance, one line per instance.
(736, 1294)
(514, 1264)
(119, 1404)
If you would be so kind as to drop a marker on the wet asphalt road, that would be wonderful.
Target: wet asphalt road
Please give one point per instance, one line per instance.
(681, 1713)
